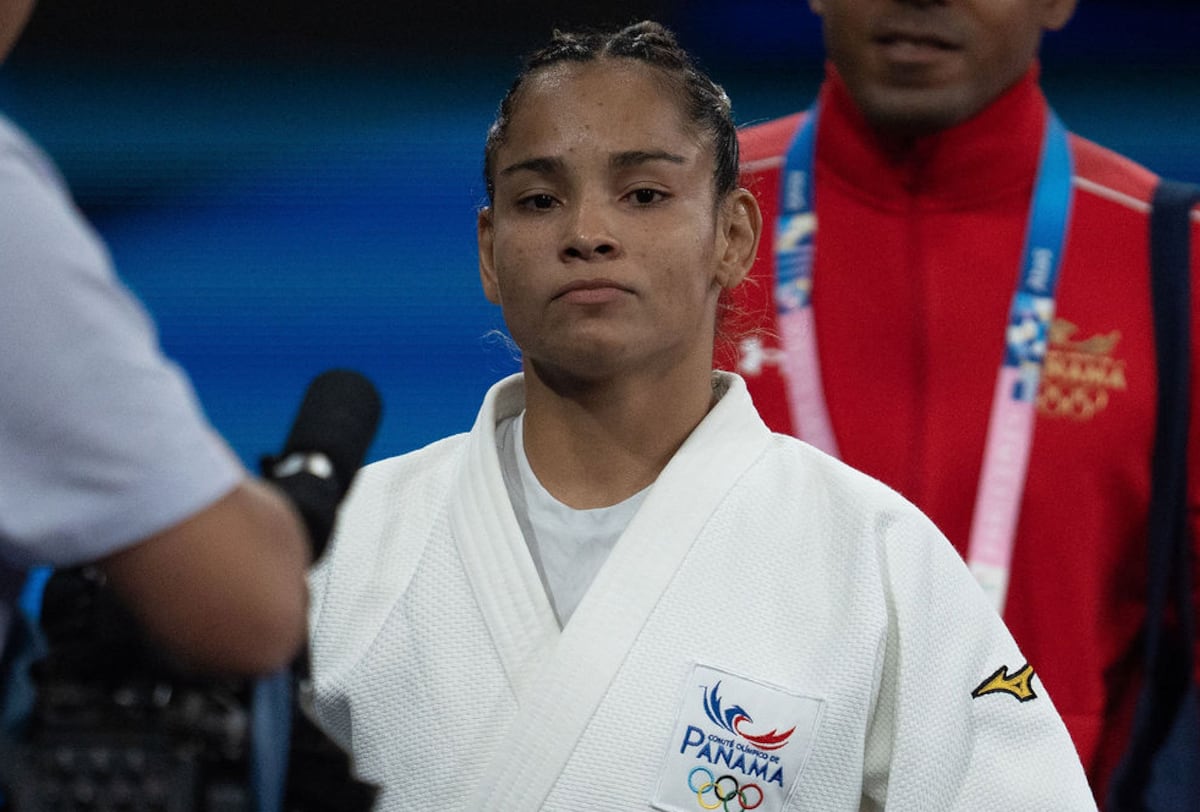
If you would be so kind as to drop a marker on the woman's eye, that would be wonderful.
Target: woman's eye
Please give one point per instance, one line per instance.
(645, 197)
(538, 202)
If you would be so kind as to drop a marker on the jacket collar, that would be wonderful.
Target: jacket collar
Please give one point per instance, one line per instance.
(992, 155)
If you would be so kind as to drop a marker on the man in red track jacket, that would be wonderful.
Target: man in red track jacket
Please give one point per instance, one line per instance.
(929, 133)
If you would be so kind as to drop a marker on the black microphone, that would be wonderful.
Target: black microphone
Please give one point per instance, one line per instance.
(322, 453)
(325, 448)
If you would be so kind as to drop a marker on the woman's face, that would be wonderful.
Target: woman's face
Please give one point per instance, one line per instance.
(604, 246)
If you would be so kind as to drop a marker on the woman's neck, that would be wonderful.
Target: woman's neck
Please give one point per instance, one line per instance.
(595, 443)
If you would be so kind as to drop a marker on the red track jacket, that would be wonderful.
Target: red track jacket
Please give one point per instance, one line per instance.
(916, 262)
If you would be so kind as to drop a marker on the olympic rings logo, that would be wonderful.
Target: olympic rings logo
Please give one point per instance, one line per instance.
(1076, 402)
(723, 790)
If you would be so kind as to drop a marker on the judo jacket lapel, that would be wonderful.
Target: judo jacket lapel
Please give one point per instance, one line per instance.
(563, 691)
(494, 553)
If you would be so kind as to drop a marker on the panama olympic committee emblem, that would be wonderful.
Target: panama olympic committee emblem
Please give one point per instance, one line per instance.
(738, 744)
(1079, 376)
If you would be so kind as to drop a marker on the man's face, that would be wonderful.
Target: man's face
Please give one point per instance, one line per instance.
(13, 16)
(918, 66)
(602, 242)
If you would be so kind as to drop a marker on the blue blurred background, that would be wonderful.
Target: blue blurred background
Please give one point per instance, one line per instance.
(291, 187)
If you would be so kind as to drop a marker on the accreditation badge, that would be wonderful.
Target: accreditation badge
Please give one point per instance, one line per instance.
(738, 744)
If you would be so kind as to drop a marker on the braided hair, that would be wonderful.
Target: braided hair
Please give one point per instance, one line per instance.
(706, 105)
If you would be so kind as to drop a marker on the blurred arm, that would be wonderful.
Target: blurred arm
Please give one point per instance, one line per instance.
(225, 588)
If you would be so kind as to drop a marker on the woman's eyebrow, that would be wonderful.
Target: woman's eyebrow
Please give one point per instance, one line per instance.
(638, 157)
(540, 166)
(550, 165)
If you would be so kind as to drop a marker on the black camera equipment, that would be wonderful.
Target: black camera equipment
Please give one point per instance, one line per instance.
(117, 726)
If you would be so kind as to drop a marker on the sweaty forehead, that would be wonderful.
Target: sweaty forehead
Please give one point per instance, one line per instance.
(616, 100)
(613, 71)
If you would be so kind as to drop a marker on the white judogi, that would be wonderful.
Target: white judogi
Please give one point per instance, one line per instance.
(772, 625)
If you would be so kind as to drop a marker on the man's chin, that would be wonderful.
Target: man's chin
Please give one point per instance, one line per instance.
(910, 112)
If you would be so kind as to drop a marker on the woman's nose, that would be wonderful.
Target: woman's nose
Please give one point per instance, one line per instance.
(590, 235)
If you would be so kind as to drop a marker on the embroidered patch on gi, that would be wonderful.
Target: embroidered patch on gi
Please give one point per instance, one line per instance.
(738, 744)
(1019, 683)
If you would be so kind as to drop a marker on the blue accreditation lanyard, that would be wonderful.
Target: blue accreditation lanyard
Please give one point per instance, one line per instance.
(1014, 404)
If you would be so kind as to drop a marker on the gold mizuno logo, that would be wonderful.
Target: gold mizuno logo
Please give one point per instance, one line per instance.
(1019, 684)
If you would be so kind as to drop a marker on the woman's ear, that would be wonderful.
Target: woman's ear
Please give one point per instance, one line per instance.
(740, 227)
(486, 234)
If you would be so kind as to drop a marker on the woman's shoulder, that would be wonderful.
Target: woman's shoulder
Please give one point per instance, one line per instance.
(416, 468)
